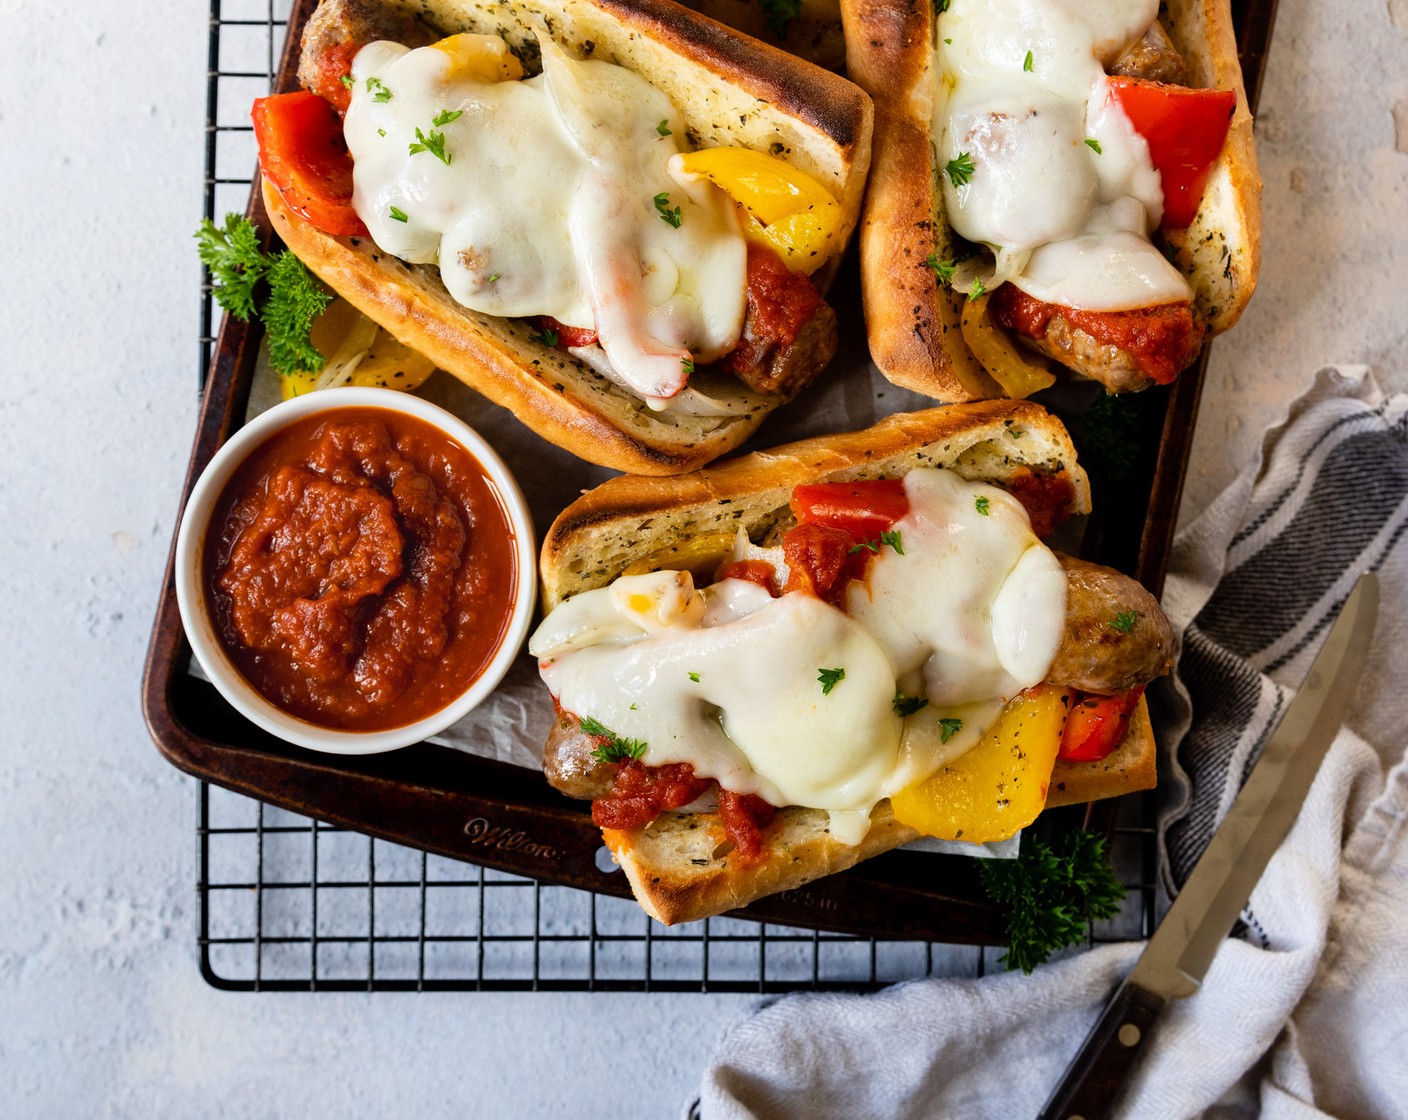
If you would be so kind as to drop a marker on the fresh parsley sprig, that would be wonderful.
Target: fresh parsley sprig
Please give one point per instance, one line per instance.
(238, 266)
(1049, 893)
(612, 747)
(231, 252)
(295, 300)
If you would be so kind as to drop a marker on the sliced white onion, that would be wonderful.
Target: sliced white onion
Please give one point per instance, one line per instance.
(977, 270)
(338, 369)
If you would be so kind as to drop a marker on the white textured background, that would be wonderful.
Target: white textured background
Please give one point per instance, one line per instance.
(102, 1010)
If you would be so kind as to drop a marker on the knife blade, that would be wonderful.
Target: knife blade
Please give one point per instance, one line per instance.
(1181, 950)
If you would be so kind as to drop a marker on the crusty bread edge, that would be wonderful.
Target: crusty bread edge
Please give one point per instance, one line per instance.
(814, 119)
(912, 322)
(677, 877)
(578, 548)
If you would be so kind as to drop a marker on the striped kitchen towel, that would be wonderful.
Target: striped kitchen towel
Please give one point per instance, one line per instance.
(1303, 1016)
(1255, 583)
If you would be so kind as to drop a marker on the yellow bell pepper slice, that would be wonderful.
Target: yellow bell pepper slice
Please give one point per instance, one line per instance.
(997, 788)
(1019, 373)
(700, 556)
(787, 210)
(358, 352)
(480, 58)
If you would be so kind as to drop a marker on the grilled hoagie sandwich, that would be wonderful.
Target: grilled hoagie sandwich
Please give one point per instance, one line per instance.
(612, 217)
(1053, 185)
(768, 670)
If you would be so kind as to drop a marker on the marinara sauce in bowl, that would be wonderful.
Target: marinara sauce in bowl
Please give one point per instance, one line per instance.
(356, 570)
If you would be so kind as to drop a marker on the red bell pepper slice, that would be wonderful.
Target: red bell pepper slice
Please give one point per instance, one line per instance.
(566, 336)
(1185, 130)
(863, 509)
(302, 153)
(1096, 724)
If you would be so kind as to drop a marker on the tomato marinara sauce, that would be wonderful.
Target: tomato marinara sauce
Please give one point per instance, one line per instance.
(361, 569)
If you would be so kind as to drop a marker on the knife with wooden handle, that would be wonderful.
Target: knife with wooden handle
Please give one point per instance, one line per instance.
(1177, 957)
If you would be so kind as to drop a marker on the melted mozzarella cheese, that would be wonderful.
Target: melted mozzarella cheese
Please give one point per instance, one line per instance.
(731, 679)
(548, 204)
(940, 621)
(1062, 188)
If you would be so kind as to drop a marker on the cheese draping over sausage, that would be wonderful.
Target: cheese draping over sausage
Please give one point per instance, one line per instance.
(551, 196)
(732, 680)
(1048, 171)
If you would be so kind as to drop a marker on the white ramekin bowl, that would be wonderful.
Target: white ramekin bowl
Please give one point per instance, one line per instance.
(191, 591)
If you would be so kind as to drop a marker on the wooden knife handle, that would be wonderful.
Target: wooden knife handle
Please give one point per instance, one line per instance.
(1097, 1074)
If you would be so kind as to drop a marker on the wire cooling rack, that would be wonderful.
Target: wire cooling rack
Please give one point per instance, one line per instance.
(290, 904)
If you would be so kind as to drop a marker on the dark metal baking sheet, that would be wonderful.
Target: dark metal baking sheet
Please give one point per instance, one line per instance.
(506, 818)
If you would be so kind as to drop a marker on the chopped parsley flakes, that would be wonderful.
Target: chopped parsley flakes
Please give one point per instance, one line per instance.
(959, 169)
(1124, 621)
(908, 705)
(889, 537)
(613, 748)
(948, 728)
(662, 206)
(434, 143)
(829, 679)
(982, 505)
(942, 269)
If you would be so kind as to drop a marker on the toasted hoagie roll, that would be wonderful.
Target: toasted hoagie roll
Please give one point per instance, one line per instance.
(612, 217)
(770, 669)
(960, 108)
